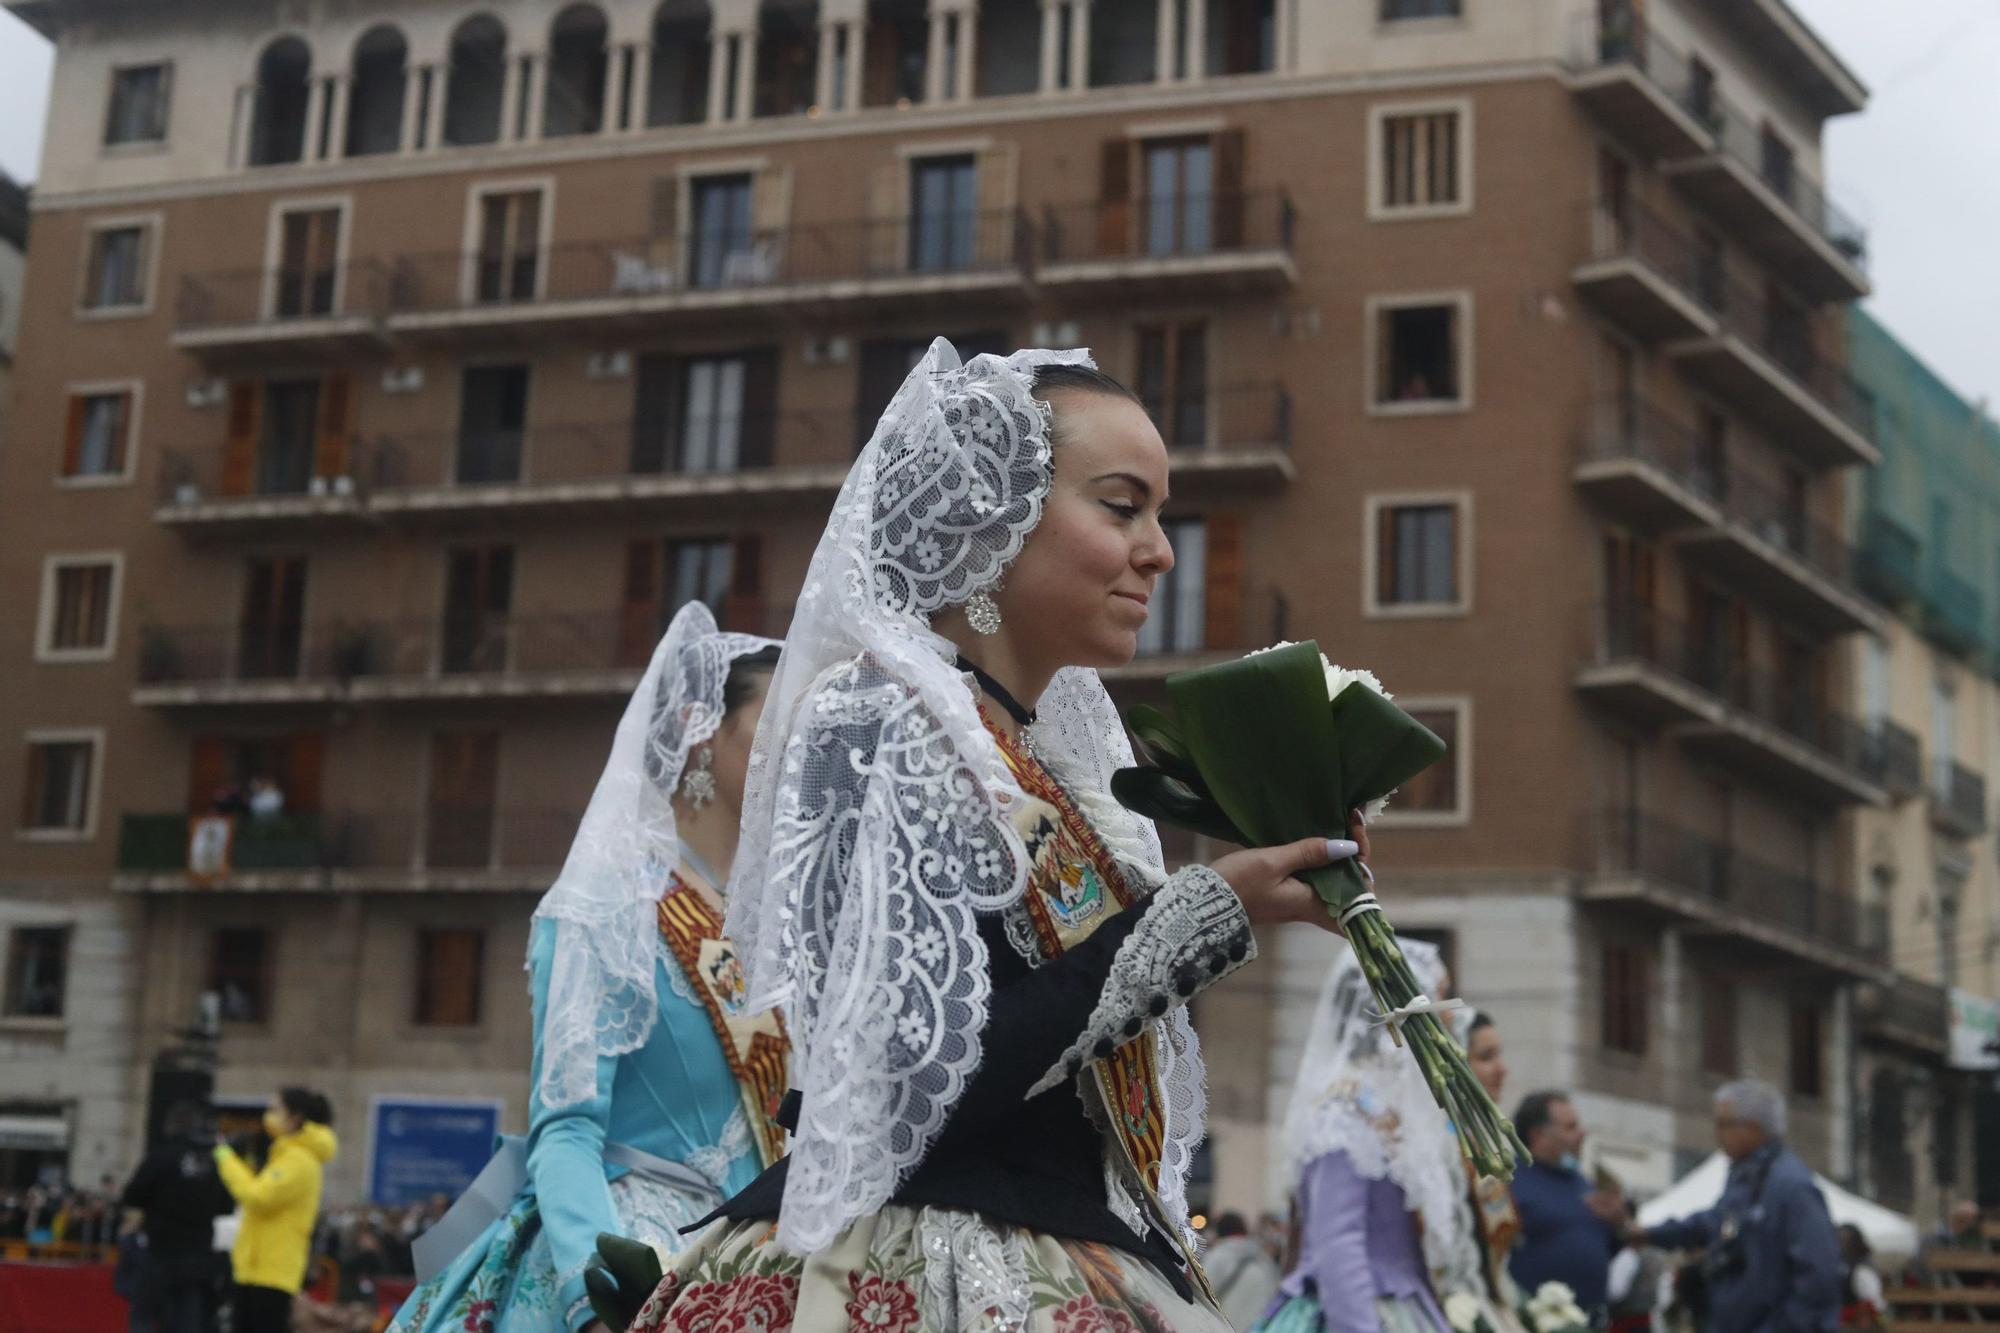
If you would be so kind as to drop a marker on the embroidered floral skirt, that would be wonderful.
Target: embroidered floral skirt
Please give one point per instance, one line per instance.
(507, 1280)
(907, 1269)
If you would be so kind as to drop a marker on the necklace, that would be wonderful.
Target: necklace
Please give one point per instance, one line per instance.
(1024, 718)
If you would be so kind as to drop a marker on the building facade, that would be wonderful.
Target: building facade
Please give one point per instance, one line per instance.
(389, 395)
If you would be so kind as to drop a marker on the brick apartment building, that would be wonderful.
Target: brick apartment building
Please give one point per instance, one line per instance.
(396, 371)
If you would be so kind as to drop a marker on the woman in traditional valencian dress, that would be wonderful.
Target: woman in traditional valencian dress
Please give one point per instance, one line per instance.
(984, 963)
(654, 1085)
(1495, 1223)
(1383, 1219)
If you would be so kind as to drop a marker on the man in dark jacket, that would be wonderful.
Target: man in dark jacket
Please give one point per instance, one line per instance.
(1773, 1260)
(177, 1189)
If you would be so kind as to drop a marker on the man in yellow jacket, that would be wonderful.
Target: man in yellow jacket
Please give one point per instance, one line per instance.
(280, 1204)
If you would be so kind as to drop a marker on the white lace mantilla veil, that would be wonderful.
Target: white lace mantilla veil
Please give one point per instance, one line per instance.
(1359, 1093)
(877, 812)
(601, 999)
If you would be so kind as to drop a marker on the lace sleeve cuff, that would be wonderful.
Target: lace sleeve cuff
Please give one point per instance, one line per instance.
(1194, 933)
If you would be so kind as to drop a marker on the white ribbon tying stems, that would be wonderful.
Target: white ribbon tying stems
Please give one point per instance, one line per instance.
(1422, 1004)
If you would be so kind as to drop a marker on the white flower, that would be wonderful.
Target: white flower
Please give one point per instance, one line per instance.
(929, 946)
(914, 1031)
(929, 554)
(1339, 678)
(988, 862)
(1461, 1311)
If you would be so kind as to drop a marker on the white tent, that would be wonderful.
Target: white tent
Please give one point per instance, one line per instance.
(1892, 1236)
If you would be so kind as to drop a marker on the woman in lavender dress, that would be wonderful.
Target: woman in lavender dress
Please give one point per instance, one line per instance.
(1378, 1190)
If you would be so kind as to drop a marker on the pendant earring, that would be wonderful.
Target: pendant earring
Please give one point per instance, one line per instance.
(982, 613)
(698, 783)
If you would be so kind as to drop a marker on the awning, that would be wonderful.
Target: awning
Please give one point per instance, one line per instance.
(43, 1133)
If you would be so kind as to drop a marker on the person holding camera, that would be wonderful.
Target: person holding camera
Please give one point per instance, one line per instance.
(177, 1189)
(1772, 1258)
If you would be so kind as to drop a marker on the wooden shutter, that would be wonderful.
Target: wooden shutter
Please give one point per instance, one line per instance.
(336, 425)
(208, 769)
(239, 455)
(639, 611)
(744, 609)
(1223, 618)
(656, 413)
(1228, 189)
(758, 444)
(31, 791)
(1385, 555)
(305, 762)
(1114, 198)
(73, 435)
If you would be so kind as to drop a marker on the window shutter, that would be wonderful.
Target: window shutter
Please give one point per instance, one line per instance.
(757, 445)
(1224, 593)
(305, 761)
(639, 614)
(208, 769)
(744, 609)
(73, 436)
(1114, 195)
(336, 425)
(1228, 200)
(1385, 555)
(31, 791)
(239, 457)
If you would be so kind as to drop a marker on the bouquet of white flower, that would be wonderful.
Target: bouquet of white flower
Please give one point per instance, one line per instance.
(1464, 1313)
(1553, 1309)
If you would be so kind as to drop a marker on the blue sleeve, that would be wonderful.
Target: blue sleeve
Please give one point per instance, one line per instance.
(1692, 1232)
(1816, 1276)
(566, 1152)
(1333, 1249)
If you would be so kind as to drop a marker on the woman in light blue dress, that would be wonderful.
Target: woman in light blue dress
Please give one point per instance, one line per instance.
(654, 1089)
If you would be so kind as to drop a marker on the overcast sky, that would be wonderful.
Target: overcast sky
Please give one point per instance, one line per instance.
(1921, 166)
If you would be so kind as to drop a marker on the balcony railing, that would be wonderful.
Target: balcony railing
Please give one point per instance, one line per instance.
(1911, 1010)
(1780, 519)
(1635, 47)
(1732, 883)
(1785, 341)
(193, 476)
(1170, 227)
(1958, 798)
(1223, 420)
(273, 296)
(1954, 611)
(1622, 427)
(440, 838)
(222, 654)
(1890, 559)
(708, 266)
(1740, 135)
(1633, 232)
(1895, 753)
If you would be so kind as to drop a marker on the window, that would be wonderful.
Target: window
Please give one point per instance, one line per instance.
(308, 263)
(139, 97)
(896, 52)
(377, 84)
(712, 425)
(1124, 42)
(492, 423)
(1396, 10)
(79, 608)
(1944, 733)
(479, 594)
(1419, 555)
(449, 971)
(577, 73)
(1949, 896)
(1807, 1076)
(1179, 189)
(720, 248)
(37, 963)
(239, 973)
(705, 413)
(1173, 381)
(116, 276)
(475, 81)
(1440, 796)
(1779, 165)
(459, 802)
(271, 634)
(1874, 681)
(1176, 620)
(1421, 353)
(510, 245)
(58, 797)
(288, 441)
(944, 213)
(787, 58)
(1701, 91)
(1419, 162)
(97, 443)
(1718, 1027)
(1625, 982)
(1242, 37)
(698, 571)
(281, 104)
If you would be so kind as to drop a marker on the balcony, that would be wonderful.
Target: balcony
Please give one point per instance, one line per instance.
(1183, 247)
(702, 282)
(1889, 562)
(1704, 885)
(1180, 637)
(234, 664)
(475, 848)
(1896, 754)
(1646, 277)
(203, 495)
(1228, 439)
(1763, 362)
(1768, 548)
(1750, 183)
(1905, 1012)
(1954, 614)
(245, 315)
(1649, 670)
(1641, 89)
(1646, 470)
(1957, 800)
(719, 467)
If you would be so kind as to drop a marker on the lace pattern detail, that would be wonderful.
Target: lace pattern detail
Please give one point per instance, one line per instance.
(1194, 932)
(975, 1273)
(714, 1159)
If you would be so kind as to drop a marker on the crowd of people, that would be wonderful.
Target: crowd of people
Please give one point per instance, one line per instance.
(61, 1215)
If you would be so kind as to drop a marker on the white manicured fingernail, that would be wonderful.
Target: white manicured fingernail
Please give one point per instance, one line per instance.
(1339, 849)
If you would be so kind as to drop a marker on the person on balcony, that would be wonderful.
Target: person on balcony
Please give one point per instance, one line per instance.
(654, 1086)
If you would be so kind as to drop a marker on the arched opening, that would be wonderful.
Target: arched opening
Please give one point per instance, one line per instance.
(1124, 42)
(278, 127)
(574, 102)
(1242, 36)
(1010, 47)
(678, 92)
(897, 53)
(787, 57)
(375, 98)
(476, 82)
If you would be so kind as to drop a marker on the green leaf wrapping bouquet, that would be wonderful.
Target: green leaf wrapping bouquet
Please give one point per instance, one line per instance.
(1279, 746)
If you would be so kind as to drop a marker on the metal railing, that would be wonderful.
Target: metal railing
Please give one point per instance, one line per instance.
(916, 245)
(1890, 558)
(1785, 338)
(1633, 841)
(1172, 226)
(1595, 45)
(1959, 792)
(1625, 427)
(1894, 752)
(1632, 231)
(189, 476)
(221, 653)
(438, 837)
(1741, 136)
(1240, 416)
(279, 295)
